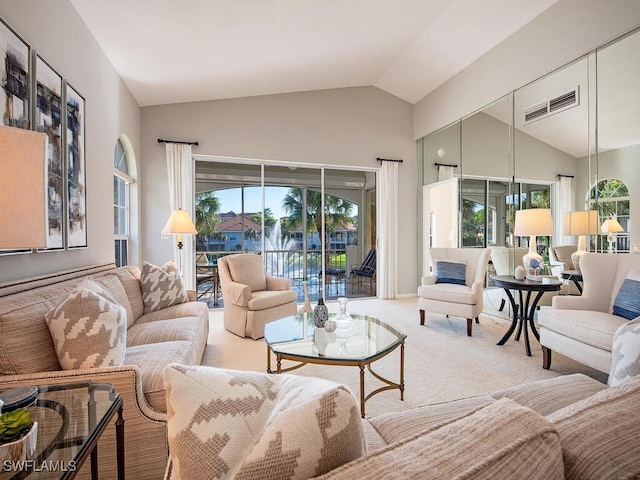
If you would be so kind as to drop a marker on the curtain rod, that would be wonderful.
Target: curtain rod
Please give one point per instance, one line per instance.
(560, 175)
(445, 165)
(161, 140)
(388, 160)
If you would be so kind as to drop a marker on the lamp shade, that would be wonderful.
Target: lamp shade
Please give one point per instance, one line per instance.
(23, 195)
(180, 223)
(533, 221)
(611, 226)
(583, 222)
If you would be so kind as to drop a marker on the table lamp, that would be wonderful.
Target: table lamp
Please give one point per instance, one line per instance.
(581, 223)
(611, 226)
(533, 222)
(179, 224)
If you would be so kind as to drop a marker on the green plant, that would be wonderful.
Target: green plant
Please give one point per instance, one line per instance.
(14, 424)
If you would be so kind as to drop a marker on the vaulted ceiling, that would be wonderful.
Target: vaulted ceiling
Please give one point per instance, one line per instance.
(171, 51)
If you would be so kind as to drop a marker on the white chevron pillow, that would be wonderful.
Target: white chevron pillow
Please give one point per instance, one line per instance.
(249, 425)
(161, 286)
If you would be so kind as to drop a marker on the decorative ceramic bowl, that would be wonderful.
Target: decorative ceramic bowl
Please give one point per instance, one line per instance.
(22, 449)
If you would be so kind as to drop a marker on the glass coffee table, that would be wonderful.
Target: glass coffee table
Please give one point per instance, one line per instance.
(367, 340)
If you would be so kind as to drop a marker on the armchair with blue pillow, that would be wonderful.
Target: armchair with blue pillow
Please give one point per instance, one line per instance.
(455, 285)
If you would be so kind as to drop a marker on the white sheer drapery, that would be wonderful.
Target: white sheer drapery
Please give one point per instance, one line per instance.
(445, 172)
(180, 174)
(388, 230)
(564, 205)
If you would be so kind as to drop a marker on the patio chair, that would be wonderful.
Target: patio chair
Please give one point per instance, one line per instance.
(207, 276)
(366, 271)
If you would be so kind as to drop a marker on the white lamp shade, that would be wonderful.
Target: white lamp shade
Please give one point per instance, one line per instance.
(611, 226)
(533, 221)
(23, 195)
(180, 223)
(584, 222)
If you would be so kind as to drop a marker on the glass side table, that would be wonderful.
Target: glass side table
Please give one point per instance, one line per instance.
(71, 419)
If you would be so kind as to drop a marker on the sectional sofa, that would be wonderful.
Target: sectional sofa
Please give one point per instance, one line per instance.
(175, 334)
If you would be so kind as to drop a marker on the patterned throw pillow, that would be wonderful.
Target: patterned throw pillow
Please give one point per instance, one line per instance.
(161, 286)
(451, 271)
(625, 353)
(249, 425)
(627, 302)
(88, 328)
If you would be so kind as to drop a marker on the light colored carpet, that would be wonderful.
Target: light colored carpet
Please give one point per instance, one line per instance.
(441, 362)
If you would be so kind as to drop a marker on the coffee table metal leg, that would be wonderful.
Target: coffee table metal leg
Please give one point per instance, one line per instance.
(402, 371)
(120, 443)
(362, 400)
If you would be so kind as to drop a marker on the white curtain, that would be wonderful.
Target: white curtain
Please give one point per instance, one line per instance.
(445, 172)
(564, 205)
(181, 177)
(388, 230)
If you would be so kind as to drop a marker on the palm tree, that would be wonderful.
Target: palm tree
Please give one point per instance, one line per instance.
(207, 217)
(337, 212)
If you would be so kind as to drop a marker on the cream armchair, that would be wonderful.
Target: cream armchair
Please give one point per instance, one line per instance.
(457, 300)
(251, 297)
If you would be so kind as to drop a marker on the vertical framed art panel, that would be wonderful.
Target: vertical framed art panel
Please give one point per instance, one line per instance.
(76, 178)
(15, 78)
(48, 119)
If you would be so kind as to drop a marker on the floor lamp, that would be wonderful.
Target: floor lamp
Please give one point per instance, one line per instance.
(611, 226)
(179, 224)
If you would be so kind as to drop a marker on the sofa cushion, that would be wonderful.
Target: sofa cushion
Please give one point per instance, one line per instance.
(627, 301)
(448, 292)
(451, 271)
(152, 359)
(270, 298)
(161, 286)
(247, 425)
(503, 440)
(130, 278)
(587, 326)
(599, 434)
(88, 328)
(625, 353)
(549, 395)
(248, 269)
(113, 285)
(397, 426)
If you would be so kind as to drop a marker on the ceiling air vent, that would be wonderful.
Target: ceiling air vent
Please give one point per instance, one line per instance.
(554, 105)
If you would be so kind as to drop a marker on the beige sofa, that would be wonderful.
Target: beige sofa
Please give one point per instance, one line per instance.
(570, 427)
(583, 327)
(176, 334)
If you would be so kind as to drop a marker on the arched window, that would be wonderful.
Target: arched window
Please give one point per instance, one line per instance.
(121, 201)
(611, 198)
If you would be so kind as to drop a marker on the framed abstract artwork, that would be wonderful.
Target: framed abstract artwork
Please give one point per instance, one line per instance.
(15, 78)
(47, 119)
(75, 162)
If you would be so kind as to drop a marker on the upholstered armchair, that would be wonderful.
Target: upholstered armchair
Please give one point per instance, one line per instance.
(504, 261)
(456, 285)
(251, 297)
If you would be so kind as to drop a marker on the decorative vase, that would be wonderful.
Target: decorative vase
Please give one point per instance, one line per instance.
(307, 304)
(320, 313)
(520, 273)
(343, 320)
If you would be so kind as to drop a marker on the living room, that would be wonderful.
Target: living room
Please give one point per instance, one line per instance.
(334, 127)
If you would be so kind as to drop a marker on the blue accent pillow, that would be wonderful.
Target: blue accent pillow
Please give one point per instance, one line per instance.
(627, 302)
(448, 271)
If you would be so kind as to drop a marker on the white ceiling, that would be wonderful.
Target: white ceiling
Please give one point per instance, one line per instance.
(170, 51)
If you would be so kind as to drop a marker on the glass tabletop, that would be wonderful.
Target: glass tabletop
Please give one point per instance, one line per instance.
(367, 338)
(69, 416)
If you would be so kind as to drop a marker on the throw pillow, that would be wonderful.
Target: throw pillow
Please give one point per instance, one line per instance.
(249, 425)
(161, 286)
(88, 328)
(451, 271)
(627, 302)
(625, 353)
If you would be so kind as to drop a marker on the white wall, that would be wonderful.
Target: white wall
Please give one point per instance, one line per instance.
(56, 31)
(562, 33)
(350, 126)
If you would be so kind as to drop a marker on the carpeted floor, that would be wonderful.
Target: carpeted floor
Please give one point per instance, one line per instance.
(441, 362)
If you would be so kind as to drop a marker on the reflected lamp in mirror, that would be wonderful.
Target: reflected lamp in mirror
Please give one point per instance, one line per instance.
(23, 195)
(580, 223)
(179, 224)
(533, 222)
(611, 226)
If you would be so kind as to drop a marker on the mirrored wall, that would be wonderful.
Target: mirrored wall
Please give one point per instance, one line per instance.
(569, 141)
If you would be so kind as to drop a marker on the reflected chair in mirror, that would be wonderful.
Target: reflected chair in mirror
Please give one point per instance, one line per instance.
(562, 255)
(365, 271)
(456, 285)
(251, 297)
(206, 277)
(505, 260)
